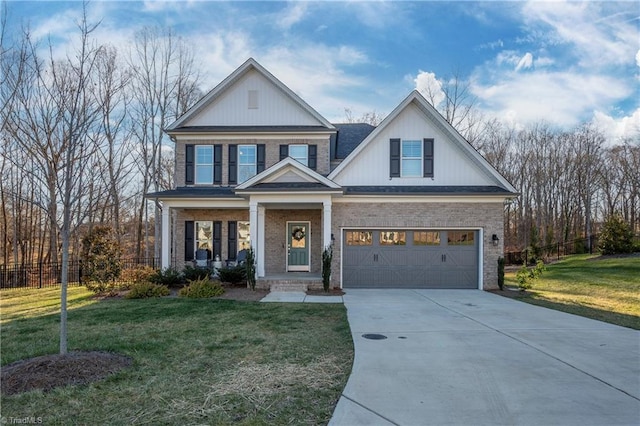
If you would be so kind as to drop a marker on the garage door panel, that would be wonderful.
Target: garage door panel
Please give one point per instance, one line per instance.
(442, 259)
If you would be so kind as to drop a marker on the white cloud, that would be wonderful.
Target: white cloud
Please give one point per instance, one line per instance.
(525, 62)
(430, 87)
(292, 15)
(617, 129)
(638, 58)
(562, 98)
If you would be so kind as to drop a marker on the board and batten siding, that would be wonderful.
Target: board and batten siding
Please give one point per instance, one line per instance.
(452, 166)
(274, 108)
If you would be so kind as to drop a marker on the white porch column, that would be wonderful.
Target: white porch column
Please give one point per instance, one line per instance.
(165, 261)
(326, 223)
(253, 230)
(261, 248)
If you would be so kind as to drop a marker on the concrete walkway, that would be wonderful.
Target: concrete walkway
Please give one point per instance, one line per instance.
(299, 297)
(467, 357)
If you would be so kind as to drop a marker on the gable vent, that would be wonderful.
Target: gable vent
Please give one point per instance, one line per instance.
(253, 99)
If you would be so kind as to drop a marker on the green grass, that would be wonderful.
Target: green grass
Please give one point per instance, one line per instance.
(602, 288)
(195, 361)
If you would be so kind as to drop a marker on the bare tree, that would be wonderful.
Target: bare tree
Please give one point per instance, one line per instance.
(370, 117)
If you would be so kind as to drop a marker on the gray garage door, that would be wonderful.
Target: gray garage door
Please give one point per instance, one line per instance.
(392, 258)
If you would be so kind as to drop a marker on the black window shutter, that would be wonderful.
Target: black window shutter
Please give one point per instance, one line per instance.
(217, 238)
(313, 156)
(232, 240)
(189, 162)
(260, 148)
(284, 152)
(189, 244)
(233, 164)
(217, 164)
(394, 158)
(428, 157)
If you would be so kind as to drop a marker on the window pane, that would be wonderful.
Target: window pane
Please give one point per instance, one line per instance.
(299, 153)
(426, 238)
(204, 235)
(411, 149)
(393, 238)
(359, 238)
(247, 154)
(460, 238)
(204, 174)
(204, 154)
(244, 239)
(411, 168)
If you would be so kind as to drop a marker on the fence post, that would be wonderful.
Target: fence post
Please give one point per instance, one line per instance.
(558, 250)
(40, 275)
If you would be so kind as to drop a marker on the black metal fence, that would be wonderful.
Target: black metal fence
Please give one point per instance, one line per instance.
(48, 274)
(554, 251)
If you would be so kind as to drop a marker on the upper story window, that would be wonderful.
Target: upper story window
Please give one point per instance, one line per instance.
(247, 162)
(300, 153)
(411, 164)
(204, 164)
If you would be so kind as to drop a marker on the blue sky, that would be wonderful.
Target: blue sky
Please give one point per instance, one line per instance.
(561, 62)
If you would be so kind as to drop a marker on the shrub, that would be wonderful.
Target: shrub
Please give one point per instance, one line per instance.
(169, 277)
(526, 276)
(100, 260)
(501, 273)
(202, 288)
(144, 290)
(250, 268)
(616, 236)
(135, 275)
(189, 273)
(233, 275)
(327, 258)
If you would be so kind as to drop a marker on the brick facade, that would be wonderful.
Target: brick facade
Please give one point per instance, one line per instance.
(272, 154)
(488, 216)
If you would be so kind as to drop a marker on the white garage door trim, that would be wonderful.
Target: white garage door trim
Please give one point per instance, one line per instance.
(480, 253)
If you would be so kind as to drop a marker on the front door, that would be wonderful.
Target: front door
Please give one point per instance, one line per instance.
(298, 246)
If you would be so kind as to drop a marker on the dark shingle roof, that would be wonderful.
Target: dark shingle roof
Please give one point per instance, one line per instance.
(249, 129)
(348, 138)
(195, 192)
(425, 190)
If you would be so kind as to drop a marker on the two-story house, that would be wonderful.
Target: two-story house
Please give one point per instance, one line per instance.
(408, 203)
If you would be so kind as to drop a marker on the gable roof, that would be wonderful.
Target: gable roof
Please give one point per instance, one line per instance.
(299, 178)
(415, 98)
(249, 65)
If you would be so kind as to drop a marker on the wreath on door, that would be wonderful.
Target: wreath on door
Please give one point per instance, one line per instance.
(298, 234)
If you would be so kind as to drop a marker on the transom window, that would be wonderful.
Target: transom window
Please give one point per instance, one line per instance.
(426, 238)
(247, 164)
(411, 158)
(359, 238)
(300, 153)
(204, 164)
(393, 238)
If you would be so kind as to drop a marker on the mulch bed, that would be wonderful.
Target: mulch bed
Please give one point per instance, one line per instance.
(50, 371)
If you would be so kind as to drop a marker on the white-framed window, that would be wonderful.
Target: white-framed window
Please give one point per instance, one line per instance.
(300, 153)
(247, 162)
(204, 164)
(411, 158)
(204, 235)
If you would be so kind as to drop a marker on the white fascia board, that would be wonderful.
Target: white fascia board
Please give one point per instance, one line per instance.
(191, 203)
(296, 198)
(316, 135)
(396, 199)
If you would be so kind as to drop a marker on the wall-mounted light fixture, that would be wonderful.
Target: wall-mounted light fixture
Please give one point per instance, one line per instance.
(495, 240)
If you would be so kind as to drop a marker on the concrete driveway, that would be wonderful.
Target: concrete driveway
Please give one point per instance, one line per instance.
(468, 357)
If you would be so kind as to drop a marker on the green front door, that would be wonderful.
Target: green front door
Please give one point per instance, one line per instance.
(298, 246)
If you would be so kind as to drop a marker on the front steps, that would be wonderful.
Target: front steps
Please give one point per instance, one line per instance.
(300, 282)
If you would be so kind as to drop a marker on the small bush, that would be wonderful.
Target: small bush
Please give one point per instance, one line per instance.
(233, 275)
(189, 273)
(169, 277)
(110, 288)
(327, 258)
(525, 276)
(501, 273)
(250, 268)
(144, 290)
(135, 275)
(202, 288)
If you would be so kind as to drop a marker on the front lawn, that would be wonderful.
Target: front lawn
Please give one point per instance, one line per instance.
(605, 288)
(195, 361)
